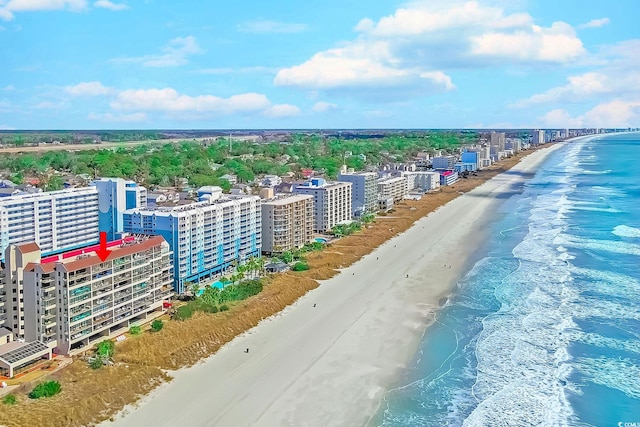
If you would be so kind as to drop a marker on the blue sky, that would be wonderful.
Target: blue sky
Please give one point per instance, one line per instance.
(125, 64)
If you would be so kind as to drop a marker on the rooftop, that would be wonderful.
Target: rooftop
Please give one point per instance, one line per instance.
(88, 258)
(285, 199)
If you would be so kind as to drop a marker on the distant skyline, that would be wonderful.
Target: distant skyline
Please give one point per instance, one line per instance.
(78, 64)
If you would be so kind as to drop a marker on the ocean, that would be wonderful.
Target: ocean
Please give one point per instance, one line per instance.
(544, 330)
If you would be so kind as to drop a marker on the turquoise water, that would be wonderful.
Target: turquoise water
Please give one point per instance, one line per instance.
(320, 240)
(218, 284)
(544, 330)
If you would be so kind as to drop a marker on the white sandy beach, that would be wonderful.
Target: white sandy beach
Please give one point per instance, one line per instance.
(330, 365)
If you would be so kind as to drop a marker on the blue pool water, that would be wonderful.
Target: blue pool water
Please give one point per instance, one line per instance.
(545, 329)
(218, 284)
(321, 240)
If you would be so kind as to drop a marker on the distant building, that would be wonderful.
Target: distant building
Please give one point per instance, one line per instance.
(394, 187)
(331, 202)
(448, 177)
(443, 162)
(465, 167)
(426, 181)
(498, 140)
(287, 223)
(231, 179)
(364, 191)
(472, 157)
(539, 137)
(271, 180)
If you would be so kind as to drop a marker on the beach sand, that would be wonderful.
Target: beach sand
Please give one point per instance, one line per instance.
(331, 364)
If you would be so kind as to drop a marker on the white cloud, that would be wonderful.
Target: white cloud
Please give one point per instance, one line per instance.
(8, 88)
(175, 54)
(89, 89)
(169, 100)
(612, 114)
(595, 23)
(5, 127)
(8, 8)
(124, 118)
(410, 51)
(617, 78)
(322, 106)
(360, 66)
(261, 26)
(557, 43)
(280, 111)
(106, 4)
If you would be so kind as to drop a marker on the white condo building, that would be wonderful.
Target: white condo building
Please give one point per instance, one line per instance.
(331, 202)
(364, 191)
(393, 187)
(205, 237)
(57, 220)
(426, 181)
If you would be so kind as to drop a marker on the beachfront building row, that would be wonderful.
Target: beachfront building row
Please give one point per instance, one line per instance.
(74, 299)
(287, 223)
(331, 202)
(364, 191)
(207, 237)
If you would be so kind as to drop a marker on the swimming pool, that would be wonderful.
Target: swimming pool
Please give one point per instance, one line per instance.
(321, 240)
(217, 284)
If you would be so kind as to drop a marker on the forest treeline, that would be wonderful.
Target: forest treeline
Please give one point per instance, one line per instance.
(157, 164)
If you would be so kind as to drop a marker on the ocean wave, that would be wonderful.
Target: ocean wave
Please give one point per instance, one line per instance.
(612, 246)
(626, 231)
(607, 191)
(621, 374)
(632, 346)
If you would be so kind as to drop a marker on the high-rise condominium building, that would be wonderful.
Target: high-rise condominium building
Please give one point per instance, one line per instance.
(331, 202)
(364, 191)
(115, 195)
(205, 237)
(287, 223)
(72, 301)
(57, 220)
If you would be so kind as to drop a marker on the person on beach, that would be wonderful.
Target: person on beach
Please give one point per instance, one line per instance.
(314, 304)
(247, 350)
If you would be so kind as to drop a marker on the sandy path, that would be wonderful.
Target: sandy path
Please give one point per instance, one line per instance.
(330, 364)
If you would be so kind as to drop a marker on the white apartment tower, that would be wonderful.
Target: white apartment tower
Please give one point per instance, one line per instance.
(364, 191)
(331, 202)
(57, 220)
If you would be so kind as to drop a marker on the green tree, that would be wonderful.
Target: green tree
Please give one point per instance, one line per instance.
(157, 325)
(9, 399)
(45, 389)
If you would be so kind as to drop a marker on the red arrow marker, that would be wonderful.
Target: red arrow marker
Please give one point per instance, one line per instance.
(103, 252)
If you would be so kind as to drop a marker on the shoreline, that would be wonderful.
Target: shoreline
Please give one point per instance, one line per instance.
(305, 361)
